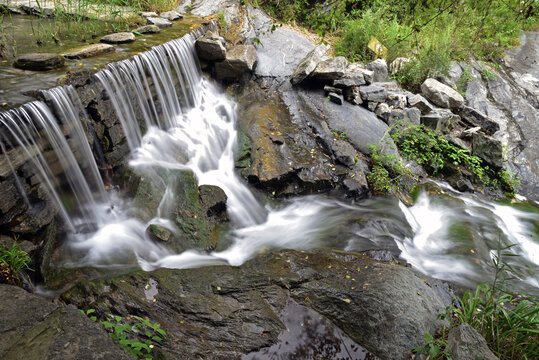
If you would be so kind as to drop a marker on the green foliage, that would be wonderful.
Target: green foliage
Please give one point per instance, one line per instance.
(221, 19)
(509, 324)
(387, 170)
(430, 147)
(129, 331)
(339, 134)
(14, 260)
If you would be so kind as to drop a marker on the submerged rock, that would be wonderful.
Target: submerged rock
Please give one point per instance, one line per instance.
(118, 38)
(90, 51)
(39, 61)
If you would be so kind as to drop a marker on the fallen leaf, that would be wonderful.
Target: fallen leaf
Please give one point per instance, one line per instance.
(348, 301)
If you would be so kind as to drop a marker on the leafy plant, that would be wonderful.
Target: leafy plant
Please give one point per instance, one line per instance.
(128, 331)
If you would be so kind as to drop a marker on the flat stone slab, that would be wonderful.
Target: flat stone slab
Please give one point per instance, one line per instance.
(148, 29)
(39, 61)
(90, 51)
(171, 15)
(118, 38)
(162, 23)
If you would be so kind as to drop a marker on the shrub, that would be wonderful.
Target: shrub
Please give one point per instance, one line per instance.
(12, 261)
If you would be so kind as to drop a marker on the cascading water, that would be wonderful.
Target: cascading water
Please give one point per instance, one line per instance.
(176, 120)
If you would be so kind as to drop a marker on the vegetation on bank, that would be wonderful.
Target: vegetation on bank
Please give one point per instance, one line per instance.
(430, 32)
(509, 324)
(13, 261)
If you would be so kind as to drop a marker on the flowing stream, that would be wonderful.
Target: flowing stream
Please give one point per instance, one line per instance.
(445, 234)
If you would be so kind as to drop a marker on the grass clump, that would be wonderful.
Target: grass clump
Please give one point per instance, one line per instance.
(13, 260)
(509, 324)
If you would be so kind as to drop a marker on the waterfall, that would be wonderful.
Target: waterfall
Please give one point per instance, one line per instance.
(175, 119)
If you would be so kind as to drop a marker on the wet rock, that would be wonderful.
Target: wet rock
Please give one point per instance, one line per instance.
(421, 103)
(379, 69)
(330, 69)
(148, 29)
(239, 60)
(210, 47)
(398, 65)
(171, 15)
(39, 61)
(442, 120)
(118, 38)
(488, 149)
(344, 152)
(159, 232)
(39, 329)
(464, 343)
(458, 178)
(162, 23)
(477, 118)
(336, 98)
(308, 64)
(373, 93)
(90, 51)
(441, 95)
(385, 308)
(213, 199)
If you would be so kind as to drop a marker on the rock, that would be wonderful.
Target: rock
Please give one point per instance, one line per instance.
(239, 60)
(344, 152)
(171, 15)
(39, 329)
(332, 89)
(336, 98)
(159, 232)
(379, 68)
(373, 93)
(148, 29)
(210, 47)
(371, 105)
(442, 120)
(90, 51)
(147, 14)
(347, 83)
(398, 65)
(39, 61)
(441, 95)
(421, 103)
(388, 313)
(396, 100)
(383, 111)
(308, 64)
(464, 343)
(118, 38)
(214, 200)
(353, 95)
(411, 116)
(331, 69)
(488, 149)
(477, 118)
(162, 23)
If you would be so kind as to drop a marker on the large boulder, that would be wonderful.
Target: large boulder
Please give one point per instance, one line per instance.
(419, 102)
(239, 60)
(308, 64)
(234, 310)
(34, 328)
(39, 61)
(90, 51)
(464, 343)
(441, 95)
(477, 118)
(118, 38)
(210, 47)
(331, 69)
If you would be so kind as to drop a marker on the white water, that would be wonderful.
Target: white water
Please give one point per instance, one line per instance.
(196, 132)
